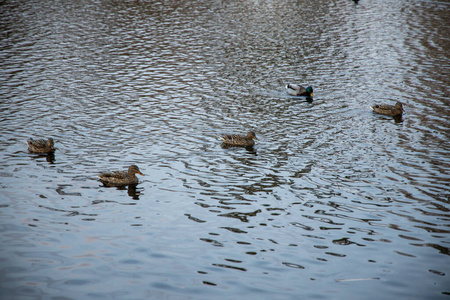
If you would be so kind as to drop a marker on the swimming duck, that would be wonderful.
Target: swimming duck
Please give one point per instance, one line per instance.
(239, 140)
(390, 110)
(298, 90)
(41, 146)
(121, 178)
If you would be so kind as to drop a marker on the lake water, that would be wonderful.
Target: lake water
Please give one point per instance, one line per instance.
(333, 202)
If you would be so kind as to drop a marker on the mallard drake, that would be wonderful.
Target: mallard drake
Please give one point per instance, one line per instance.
(298, 90)
(41, 146)
(239, 140)
(121, 178)
(390, 110)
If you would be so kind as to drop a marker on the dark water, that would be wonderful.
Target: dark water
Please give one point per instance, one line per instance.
(333, 202)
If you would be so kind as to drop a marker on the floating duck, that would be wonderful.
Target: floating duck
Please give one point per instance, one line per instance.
(239, 140)
(390, 110)
(41, 146)
(298, 90)
(121, 178)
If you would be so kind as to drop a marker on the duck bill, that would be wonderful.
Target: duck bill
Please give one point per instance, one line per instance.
(140, 173)
(311, 95)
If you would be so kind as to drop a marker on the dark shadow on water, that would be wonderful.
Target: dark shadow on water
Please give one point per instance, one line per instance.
(242, 216)
(49, 157)
(132, 190)
(398, 119)
(250, 149)
(301, 98)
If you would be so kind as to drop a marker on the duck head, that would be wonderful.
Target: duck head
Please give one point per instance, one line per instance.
(251, 135)
(133, 169)
(309, 90)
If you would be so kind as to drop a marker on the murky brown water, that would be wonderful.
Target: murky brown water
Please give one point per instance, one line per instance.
(333, 202)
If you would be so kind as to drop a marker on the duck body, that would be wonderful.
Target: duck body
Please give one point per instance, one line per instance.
(41, 146)
(298, 90)
(389, 110)
(239, 140)
(121, 178)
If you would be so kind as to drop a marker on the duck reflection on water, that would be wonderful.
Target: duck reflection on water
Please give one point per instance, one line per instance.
(132, 190)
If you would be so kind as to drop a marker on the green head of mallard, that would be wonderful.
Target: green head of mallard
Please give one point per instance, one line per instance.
(309, 90)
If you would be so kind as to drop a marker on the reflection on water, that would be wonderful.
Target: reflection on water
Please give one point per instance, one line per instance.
(132, 191)
(332, 201)
(50, 157)
(249, 149)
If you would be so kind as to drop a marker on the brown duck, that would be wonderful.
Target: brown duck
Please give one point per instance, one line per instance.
(239, 140)
(121, 178)
(390, 110)
(41, 146)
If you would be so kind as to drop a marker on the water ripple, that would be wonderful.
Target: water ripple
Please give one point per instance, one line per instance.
(156, 83)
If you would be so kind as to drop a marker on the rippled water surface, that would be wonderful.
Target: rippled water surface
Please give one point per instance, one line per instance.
(333, 202)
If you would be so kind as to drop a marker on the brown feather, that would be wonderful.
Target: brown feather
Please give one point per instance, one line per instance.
(121, 178)
(239, 140)
(390, 110)
(41, 146)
